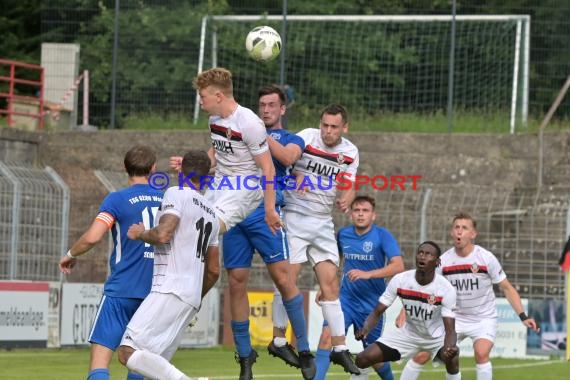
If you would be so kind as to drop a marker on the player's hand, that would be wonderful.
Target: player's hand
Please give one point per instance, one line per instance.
(357, 274)
(448, 352)
(531, 324)
(401, 319)
(66, 264)
(135, 230)
(175, 163)
(361, 334)
(342, 205)
(273, 221)
(319, 297)
(300, 187)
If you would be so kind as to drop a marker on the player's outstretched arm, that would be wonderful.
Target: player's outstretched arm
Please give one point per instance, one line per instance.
(161, 234)
(88, 240)
(450, 348)
(371, 321)
(515, 300)
(265, 163)
(287, 154)
(395, 266)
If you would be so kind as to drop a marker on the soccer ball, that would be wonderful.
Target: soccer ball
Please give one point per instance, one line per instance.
(263, 43)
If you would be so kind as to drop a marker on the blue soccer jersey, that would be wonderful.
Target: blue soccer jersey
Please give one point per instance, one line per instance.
(131, 262)
(366, 252)
(253, 233)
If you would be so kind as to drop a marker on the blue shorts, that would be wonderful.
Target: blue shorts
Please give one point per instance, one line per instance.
(356, 318)
(240, 242)
(111, 320)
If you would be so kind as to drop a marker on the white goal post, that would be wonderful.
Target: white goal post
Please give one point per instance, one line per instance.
(506, 37)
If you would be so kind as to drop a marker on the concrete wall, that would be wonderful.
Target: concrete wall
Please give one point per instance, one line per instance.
(440, 159)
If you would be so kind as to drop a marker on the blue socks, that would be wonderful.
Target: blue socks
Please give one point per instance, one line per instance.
(323, 362)
(242, 340)
(98, 374)
(385, 372)
(134, 376)
(296, 314)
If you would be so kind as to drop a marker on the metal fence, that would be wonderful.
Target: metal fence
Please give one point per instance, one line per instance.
(34, 215)
(146, 71)
(526, 229)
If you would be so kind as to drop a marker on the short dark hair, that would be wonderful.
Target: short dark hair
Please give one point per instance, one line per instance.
(433, 244)
(139, 161)
(362, 199)
(272, 89)
(335, 109)
(196, 161)
(464, 215)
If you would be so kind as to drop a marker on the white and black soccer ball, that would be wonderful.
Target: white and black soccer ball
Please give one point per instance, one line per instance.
(263, 43)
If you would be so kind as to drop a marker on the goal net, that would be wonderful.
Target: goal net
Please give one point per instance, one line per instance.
(379, 65)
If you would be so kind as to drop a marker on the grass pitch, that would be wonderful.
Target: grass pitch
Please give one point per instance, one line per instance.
(219, 364)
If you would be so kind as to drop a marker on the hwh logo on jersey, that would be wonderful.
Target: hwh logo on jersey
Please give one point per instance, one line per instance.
(223, 146)
(465, 283)
(418, 312)
(322, 169)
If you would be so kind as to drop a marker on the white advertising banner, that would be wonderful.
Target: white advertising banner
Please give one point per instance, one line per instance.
(79, 304)
(204, 331)
(510, 341)
(53, 314)
(23, 314)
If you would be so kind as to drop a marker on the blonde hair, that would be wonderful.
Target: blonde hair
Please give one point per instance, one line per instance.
(217, 77)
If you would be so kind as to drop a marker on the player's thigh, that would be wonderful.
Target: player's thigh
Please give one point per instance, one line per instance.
(323, 246)
(406, 344)
(482, 329)
(272, 247)
(237, 248)
(233, 205)
(158, 323)
(298, 236)
(111, 319)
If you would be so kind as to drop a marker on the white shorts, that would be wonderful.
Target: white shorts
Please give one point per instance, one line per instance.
(159, 324)
(408, 345)
(483, 329)
(310, 238)
(233, 202)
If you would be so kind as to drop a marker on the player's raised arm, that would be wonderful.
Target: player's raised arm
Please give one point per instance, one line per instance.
(515, 300)
(287, 154)
(265, 163)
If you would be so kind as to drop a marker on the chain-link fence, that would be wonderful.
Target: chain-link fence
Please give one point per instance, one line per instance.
(34, 215)
(142, 56)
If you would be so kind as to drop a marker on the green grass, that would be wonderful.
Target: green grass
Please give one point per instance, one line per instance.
(218, 364)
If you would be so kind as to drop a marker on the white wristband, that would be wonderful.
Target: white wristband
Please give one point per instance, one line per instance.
(68, 254)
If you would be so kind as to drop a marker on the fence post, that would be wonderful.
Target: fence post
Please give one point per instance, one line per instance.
(423, 216)
(15, 235)
(64, 210)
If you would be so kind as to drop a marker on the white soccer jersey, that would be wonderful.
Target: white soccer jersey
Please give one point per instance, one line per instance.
(179, 265)
(236, 139)
(425, 305)
(320, 165)
(473, 278)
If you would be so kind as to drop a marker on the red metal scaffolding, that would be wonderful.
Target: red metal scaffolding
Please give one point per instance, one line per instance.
(14, 78)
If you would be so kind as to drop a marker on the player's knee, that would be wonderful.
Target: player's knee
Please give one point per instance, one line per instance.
(389, 354)
(422, 357)
(124, 353)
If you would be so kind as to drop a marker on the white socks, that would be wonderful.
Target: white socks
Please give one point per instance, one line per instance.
(153, 366)
(484, 371)
(279, 316)
(332, 313)
(411, 371)
(457, 376)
